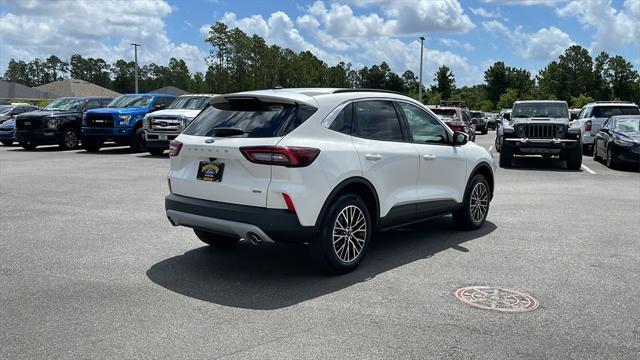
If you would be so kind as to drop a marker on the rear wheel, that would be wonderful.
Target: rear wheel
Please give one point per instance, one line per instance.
(498, 144)
(7, 142)
(28, 146)
(138, 143)
(475, 208)
(506, 157)
(155, 151)
(70, 139)
(215, 240)
(344, 236)
(574, 158)
(92, 145)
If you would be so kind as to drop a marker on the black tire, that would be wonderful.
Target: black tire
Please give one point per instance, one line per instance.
(574, 158)
(70, 139)
(596, 157)
(138, 142)
(611, 162)
(497, 145)
(506, 157)
(216, 240)
(155, 151)
(92, 145)
(587, 149)
(7, 142)
(475, 208)
(484, 131)
(28, 146)
(323, 250)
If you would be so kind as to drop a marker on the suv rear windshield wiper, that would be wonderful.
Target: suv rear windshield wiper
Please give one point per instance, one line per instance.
(229, 131)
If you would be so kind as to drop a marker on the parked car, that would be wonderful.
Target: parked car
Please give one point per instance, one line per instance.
(9, 112)
(457, 118)
(58, 123)
(541, 127)
(325, 167)
(593, 115)
(479, 120)
(491, 120)
(8, 132)
(121, 121)
(162, 126)
(503, 117)
(618, 141)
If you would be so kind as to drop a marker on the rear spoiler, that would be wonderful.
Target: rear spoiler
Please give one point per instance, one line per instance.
(291, 98)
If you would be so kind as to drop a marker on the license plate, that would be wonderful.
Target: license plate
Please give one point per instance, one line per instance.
(210, 171)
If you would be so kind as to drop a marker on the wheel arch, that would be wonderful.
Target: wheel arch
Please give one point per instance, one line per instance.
(485, 169)
(359, 186)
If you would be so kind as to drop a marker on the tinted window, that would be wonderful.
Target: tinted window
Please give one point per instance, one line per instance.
(424, 127)
(540, 109)
(93, 104)
(130, 101)
(377, 120)
(65, 104)
(608, 111)
(342, 123)
(256, 118)
(190, 102)
(446, 114)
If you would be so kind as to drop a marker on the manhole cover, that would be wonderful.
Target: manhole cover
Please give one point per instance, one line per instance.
(492, 298)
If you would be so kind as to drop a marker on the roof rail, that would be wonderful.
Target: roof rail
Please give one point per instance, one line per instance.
(342, 91)
(612, 102)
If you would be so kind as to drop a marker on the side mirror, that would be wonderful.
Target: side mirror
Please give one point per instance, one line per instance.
(460, 138)
(506, 116)
(604, 130)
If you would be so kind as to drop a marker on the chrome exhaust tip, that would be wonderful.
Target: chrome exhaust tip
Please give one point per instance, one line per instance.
(254, 238)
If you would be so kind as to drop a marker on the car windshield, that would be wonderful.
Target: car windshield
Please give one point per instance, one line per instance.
(609, 111)
(5, 109)
(446, 114)
(190, 103)
(130, 101)
(65, 104)
(628, 125)
(553, 110)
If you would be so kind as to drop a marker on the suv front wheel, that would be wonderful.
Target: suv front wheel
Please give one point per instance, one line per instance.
(344, 236)
(475, 208)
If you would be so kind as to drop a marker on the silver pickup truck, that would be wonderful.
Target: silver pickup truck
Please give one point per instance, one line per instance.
(160, 127)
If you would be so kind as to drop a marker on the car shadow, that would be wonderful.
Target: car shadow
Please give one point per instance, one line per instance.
(150, 156)
(538, 163)
(268, 277)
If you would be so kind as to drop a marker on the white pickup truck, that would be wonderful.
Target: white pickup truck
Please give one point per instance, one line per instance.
(160, 127)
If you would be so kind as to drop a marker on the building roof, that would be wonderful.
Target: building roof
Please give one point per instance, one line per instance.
(13, 90)
(75, 87)
(170, 90)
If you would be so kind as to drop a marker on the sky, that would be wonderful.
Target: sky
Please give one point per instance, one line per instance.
(465, 35)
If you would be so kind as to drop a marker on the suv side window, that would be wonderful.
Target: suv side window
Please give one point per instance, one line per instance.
(377, 120)
(92, 104)
(342, 122)
(423, 127)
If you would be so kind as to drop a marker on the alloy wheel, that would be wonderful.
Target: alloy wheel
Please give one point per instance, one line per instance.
(349, 233)
(479, 202)
(70, 139)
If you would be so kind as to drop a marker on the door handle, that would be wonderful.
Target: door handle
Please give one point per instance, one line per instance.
(374, 157)
(429, 157)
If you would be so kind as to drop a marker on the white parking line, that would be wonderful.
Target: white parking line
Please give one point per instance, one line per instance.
(587, 169)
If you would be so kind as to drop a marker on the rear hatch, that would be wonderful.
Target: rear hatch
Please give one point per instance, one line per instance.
(210, 164)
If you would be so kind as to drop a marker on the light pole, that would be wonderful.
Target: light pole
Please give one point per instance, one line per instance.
(135, 51)
(421, 55)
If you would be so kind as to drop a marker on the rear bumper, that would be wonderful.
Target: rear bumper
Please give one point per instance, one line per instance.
(277, 225)
(38, 136)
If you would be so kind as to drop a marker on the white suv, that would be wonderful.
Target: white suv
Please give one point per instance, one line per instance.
(327, 167)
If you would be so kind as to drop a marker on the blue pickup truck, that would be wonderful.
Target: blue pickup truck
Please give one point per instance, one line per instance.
(121, 121)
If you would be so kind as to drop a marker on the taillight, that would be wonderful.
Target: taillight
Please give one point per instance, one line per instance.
(289, 202)
(174, 148)
(457, 128)
(587, 125)
(283, 156)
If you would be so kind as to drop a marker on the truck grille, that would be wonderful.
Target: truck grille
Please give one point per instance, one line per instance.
(168, 124)
(28, 123)
(99, 120)
(540, 131)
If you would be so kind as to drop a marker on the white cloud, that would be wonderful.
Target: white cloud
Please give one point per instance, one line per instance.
(614, 28)
(525, 2)
(456, 44)
(482, 12)
(545, 44)
(29, 30)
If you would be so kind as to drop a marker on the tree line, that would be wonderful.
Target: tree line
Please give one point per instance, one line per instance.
(238, 62)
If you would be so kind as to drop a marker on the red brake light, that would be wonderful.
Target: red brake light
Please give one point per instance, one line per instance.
(587, 125)
(289, 202)
(174, 148)
(457, 128)
(283, 156)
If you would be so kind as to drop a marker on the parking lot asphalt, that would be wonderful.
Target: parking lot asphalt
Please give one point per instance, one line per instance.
(91, 268)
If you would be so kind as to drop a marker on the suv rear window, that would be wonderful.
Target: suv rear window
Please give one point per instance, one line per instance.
(256, 118)
(609, 111)
(446, 114)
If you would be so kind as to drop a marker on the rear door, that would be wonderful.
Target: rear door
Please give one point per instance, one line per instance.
(241, 181)
(389, 162)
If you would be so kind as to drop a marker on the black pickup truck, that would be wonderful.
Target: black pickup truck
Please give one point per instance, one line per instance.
(58, 123)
